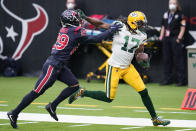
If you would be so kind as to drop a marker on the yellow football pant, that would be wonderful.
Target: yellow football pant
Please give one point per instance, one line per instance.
(129, 75)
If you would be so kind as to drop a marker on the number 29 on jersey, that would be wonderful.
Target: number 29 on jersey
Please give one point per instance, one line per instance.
(61, 42)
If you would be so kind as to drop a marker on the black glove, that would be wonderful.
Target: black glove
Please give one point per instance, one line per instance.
(82, 14)
(144, 64)
(115, 27)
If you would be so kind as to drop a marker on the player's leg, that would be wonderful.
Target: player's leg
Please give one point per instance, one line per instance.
(67, 77)
(133, 78)
(111, 84)
(46, 79)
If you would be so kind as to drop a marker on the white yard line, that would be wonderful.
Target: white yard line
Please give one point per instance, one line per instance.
(80, 125)
(3, 105)
(128, 128)
(71, 108)
(106, 120)
(18, 123)
(184, 130)
(170, 112)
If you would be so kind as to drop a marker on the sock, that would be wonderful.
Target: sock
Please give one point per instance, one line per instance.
(63, 95)
(25, 102)
(98, 95)
(148, 103)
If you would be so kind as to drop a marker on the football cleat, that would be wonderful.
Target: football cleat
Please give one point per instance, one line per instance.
(76, 95)
(158, 121)
(13, 119)
(51, 111)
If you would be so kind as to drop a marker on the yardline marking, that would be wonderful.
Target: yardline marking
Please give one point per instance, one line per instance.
(80, 125)
(85, 105)
(70, 108)
(128, 107)
(38, 103)
(177, 109)
(20, 123)
(81, 105)
(128, 128)
(184, 130)
(3, 101)
(104, 120)
(189, 113)
(78, 105)
(3, 105)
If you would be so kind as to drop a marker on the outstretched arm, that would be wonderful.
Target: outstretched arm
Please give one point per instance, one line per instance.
(98, 23)
(93, 21)
(101, 36)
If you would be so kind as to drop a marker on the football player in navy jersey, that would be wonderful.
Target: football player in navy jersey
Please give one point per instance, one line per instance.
(69, 37)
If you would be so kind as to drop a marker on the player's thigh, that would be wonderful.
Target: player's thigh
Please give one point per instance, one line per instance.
(133, 78)
(111, 82)
(46, 79)
(67, 77)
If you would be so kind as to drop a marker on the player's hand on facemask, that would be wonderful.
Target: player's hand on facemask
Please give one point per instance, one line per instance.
(82, 14)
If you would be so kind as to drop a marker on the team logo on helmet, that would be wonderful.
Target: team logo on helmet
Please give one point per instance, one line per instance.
(70, 17)
(133, 14)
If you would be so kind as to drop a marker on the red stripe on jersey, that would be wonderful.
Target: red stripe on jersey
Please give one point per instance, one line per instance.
(76, 30)
(44, 81)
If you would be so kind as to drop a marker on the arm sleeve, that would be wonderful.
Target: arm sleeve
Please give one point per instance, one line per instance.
(85, 39)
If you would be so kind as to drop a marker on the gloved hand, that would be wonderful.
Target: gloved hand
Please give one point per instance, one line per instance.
(82, 14)
(144, 64)
(115, 27)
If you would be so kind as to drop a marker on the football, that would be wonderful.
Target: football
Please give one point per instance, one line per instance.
(142, 57)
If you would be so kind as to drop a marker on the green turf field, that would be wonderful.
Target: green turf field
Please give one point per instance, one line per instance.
(167, 101)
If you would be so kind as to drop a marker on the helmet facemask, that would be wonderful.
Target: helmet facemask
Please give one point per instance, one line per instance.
(141, 25)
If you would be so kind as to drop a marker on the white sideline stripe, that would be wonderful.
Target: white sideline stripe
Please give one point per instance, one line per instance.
(71, 108)
(128, 128)
(3, 105)
(189, 113)
(106, 120)
(80, 125)
(20, 123)
(185, 130)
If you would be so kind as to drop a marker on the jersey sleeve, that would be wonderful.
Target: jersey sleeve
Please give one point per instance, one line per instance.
(144, 40)
(83, 38)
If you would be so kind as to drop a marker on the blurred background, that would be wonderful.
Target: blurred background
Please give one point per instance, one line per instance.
(27, 37)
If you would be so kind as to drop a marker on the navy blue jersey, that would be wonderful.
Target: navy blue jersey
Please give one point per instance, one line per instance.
(67, 42)
(69, 39)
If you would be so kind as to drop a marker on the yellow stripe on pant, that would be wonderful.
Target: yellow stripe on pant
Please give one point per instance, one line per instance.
(129, 75)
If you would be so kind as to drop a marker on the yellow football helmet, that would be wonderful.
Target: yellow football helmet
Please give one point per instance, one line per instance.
(136, 19)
